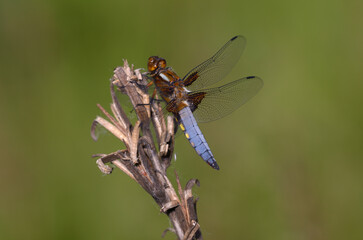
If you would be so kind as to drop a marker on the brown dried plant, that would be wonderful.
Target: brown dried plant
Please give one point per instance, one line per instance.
(146, 160)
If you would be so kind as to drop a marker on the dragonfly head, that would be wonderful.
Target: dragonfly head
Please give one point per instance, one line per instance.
(155, 62)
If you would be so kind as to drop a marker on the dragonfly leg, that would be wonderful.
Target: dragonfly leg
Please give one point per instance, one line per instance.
(146, 104)
(149, 84)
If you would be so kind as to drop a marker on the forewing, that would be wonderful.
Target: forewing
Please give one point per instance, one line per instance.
(221, 101)
(217, 67)
(125, 102)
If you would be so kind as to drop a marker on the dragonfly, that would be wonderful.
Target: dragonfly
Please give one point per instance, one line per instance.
(191, 101)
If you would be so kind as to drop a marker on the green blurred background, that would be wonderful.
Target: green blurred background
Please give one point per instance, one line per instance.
(291, 159)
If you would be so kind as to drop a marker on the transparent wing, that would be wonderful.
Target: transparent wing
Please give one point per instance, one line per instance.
(217, 67)
(221, 101)
(126, 104)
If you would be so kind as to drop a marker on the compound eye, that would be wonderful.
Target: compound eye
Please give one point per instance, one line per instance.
(162, 63)
(152, 63)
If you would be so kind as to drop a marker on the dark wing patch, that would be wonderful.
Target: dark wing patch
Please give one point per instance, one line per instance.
(195, 99)
(190, 79)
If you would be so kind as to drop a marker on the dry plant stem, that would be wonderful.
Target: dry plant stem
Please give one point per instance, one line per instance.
(145, 160)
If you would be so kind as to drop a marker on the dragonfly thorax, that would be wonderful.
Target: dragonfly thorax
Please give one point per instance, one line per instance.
(202, 103)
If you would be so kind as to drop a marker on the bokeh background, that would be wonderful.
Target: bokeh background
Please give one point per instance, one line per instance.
(291, 159)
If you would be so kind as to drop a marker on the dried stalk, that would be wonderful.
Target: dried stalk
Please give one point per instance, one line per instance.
(141, 160)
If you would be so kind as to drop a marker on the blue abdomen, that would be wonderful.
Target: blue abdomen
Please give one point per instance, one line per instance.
(195, 136)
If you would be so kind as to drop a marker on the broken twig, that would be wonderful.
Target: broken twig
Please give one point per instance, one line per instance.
(145, 160)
